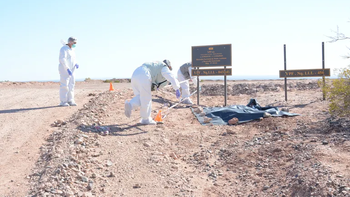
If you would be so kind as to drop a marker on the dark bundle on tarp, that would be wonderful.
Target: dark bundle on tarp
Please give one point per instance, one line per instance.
(244, 113)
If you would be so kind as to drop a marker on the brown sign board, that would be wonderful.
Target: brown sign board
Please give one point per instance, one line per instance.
(211, 72)
(305, 73)
(211, 56)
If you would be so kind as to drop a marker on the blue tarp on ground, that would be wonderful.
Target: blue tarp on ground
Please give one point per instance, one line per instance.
(244, 113)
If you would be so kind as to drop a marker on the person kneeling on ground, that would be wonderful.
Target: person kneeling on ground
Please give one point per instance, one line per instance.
(184, 75)
(148, 77)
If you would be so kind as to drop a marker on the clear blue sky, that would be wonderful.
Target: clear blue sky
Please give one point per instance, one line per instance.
(115, 37)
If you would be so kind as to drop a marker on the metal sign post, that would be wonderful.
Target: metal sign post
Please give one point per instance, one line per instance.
(225, 86)
(197, 86)
(285, 69)
(212, 56)
(324, 79)
(304, 72)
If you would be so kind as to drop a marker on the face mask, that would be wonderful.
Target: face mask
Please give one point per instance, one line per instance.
(73, 46)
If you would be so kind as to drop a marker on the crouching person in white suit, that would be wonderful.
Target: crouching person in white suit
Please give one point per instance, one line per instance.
(184, 75)
(149, 75)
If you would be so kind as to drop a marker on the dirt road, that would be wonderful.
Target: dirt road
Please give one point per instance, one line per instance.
(26, 112)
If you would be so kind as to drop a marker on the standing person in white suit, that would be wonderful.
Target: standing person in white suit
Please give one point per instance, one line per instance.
(66, 69)
(184, 75)
(148, 77)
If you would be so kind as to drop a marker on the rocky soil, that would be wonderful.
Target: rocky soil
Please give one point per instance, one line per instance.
(100, 152)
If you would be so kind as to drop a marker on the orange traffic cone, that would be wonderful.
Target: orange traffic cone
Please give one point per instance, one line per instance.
(111, 87)
(159, 117)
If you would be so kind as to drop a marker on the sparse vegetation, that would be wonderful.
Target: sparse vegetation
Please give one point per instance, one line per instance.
(87, 79)
(338, 90)
(338, 93)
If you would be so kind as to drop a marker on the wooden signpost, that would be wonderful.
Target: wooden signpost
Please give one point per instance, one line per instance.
(324, 72)
(212, 56)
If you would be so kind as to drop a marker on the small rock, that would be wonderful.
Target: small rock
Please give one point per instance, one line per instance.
(175, 167)
(285, 109)
(146, 144)
(109, 163)
(233, 121)
(84, 178)
(324, 142)
(90, 185)
(340, 176)
(313, 140)
(173, 155)
(207, 120)
(266, 115)
(137, 186)
(166, 141)
(198, 110)
(93, 175)
(87, 194)
(59, 192)
(266, 187)
(111, 174)
(202, 114)
(230, 132)
(79, 141)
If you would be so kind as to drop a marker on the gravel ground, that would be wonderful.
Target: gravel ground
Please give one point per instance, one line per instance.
(97, 151)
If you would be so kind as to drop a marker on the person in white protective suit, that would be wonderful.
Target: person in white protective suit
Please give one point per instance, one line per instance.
(66, 69)
(184, 75)
(148, 77)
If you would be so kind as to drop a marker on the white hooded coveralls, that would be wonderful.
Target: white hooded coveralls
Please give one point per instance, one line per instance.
(67, 82)
(185, 86)
(141, 82)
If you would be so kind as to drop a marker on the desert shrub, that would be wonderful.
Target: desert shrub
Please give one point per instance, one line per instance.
(338, 93)
(87, 79)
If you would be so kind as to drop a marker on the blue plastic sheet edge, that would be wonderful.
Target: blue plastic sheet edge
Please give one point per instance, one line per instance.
(221, 115)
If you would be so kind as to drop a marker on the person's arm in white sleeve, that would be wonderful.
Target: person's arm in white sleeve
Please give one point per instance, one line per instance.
(63, 58)
(194, 79)
(168, 75)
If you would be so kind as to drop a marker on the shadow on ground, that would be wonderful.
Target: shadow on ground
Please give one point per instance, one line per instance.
(128, 129)
(8, 111)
